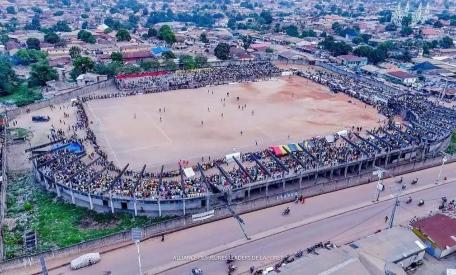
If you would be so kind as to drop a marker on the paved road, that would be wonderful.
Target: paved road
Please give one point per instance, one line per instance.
(340, 217)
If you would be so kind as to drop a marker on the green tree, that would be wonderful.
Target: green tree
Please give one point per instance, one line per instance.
(426, 50)
(51, 37)
(390, 27)
(37, 10)
(222, 51)
(170, 65)
(337, 27)
(81, 65)
(117, 56)
(168, 55)
(406, 31)
(123, 35)
(203, 38)
(187, 62)
(10, 10)
(61, 26)
(33, 43)
(247, 40)
(4, 38)
(58, 13)
(335, 48)
(129, 69)
(7, 75)
(438, 24)
(166, 33)
(152, 32)
(357, 40)
(110, 69)
(292, 30)
(269, 50)
(149, 65)
(41, 72)
(75, 52)
(34, 24)
(446, 42)
(406, 20)
(200, 61)
(266, 17)
(232, 23)
(86, 36)
(28, 56)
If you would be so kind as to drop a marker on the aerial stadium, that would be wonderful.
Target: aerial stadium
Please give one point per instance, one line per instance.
(176, 143)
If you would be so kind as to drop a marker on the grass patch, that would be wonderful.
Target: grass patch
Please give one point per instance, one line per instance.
(19, 133)
(22, 96)
(452, 147)
(57, 223)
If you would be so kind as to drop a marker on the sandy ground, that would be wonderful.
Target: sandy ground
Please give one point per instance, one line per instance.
(17, 158)
(161, 129)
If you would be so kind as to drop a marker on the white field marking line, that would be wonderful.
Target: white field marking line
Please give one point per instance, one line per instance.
(103, 135)
(155, 125)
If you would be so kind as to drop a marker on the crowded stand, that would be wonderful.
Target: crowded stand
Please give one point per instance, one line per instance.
(165, 81)
(425, 122)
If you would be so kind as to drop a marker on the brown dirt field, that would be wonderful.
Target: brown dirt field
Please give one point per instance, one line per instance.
(288, 109)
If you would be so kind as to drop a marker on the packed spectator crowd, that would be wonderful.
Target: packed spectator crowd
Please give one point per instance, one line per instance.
(248, 71)
(426, 122)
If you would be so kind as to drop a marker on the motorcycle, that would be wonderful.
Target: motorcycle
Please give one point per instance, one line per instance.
(197, 271)
(404, 186)
(286, 211)
(231, 268)
(409, 200)
(399, 180)
(415, 181)
(328, 245)
(299, 254)
(421, 203)
(288, 259)
(230, 260)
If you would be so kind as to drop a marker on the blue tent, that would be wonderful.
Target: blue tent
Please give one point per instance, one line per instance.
(73, 147)
(424, 66)
(292, 147)
(158, 51)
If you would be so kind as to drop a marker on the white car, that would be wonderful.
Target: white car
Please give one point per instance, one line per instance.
(85, 260)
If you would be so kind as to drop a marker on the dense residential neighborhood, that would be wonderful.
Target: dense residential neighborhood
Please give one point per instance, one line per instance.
(47, 45)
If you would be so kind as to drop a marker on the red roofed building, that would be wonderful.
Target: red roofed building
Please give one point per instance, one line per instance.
(401, 77)
(438, 232)
(431, 33)
(137, 55)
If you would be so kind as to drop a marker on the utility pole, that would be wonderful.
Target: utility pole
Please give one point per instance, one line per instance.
(44, 270)
(136, 235)
(380, 187)
(396, 204)
(239, 220)
(444, 160)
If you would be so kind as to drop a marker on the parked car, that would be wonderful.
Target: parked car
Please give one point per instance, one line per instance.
(40, 118)
(85, 260)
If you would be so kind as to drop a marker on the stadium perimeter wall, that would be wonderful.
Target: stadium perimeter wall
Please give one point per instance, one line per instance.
(108, 243)
(3, 187)
(60, 98)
